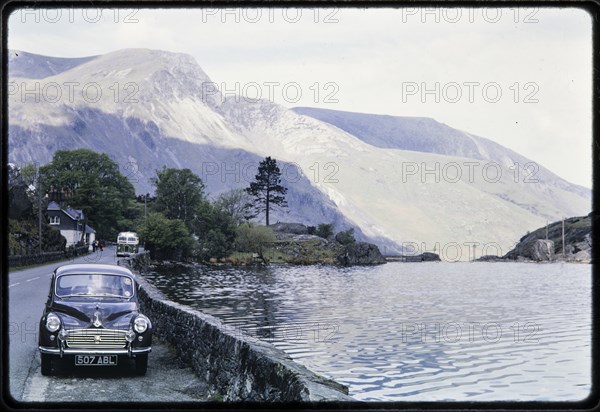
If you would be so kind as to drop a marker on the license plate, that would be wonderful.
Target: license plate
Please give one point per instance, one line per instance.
(95, 360)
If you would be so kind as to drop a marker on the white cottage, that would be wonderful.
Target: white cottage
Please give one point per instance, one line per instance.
(70, 223)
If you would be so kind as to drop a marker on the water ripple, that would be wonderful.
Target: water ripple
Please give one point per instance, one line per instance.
(432, 331)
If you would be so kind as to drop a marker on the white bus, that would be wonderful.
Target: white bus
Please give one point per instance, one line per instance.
(128, 243)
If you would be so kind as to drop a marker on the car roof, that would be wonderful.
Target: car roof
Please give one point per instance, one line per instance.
(81, 268)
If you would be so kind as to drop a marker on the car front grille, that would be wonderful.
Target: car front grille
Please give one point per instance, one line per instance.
(96, 338)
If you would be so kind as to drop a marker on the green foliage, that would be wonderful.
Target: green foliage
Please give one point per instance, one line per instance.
(29, 174)
(237, 204)
(324, 230)
(25, 174)
(267, 190)
(215, 229)
(179, 192)
(255, 239)
(311, 230)
(166, 238)
(345, 237)
(95, 186)
(24, 235)
(23, 202)
(215, 244)
(133, 216)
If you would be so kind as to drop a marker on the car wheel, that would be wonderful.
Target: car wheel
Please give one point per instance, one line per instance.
(141, 364)
(46, 365)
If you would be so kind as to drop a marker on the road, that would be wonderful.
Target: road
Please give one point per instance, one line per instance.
(165, 381)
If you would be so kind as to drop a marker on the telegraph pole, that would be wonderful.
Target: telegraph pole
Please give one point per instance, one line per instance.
(563, 236)
(39, 189)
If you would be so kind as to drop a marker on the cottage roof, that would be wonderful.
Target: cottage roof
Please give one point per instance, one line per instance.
(75, 214)
(53, 206)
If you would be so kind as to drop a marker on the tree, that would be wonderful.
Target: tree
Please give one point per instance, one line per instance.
(324, 230)
(165, 238)
(267, 189)
(93, 184)
(237, 204)
(250, 238)
(215, 231)
(179, 193)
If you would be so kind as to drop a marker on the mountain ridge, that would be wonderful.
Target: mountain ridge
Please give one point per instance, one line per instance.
(179, 121)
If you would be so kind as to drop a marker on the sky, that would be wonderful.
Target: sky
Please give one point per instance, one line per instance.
(520, 77)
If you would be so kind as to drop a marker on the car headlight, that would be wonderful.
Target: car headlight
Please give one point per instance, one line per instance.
(140, 324)
(52, 322)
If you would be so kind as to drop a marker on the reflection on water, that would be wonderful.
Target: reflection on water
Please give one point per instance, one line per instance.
(414, 332)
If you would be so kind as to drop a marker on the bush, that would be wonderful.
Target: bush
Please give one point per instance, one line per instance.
(213, 245)
(345, 237)
(215, 230)
(166, 238)
(311, 230)
(325, 230)
(255, 239)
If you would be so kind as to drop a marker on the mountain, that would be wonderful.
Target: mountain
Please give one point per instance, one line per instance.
(160, 108)
(423, 134)
(34, 66)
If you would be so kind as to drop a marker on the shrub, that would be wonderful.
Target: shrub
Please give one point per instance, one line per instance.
(345, 237)
(255, 239)
(166, 238)
(324, 230)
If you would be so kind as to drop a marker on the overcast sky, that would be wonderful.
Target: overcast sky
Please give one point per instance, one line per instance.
(520, 77)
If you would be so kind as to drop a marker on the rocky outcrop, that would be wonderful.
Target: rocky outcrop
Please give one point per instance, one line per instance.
(490, 258)
(541, 250)
(312, 249)
(422, 257)
(578, 242)
(235, 366)
(360, 253)
(581, 251)
(294, 228)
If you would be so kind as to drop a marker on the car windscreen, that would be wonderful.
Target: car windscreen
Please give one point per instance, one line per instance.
(94, 285)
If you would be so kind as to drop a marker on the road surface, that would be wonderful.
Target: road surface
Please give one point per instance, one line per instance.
(165, 381)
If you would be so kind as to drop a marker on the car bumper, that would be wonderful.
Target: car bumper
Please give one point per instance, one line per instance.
(78, 351)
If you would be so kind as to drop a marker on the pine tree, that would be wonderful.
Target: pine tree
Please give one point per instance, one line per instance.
(267, 190)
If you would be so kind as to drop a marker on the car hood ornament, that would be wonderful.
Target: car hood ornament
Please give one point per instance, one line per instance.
(96, 322)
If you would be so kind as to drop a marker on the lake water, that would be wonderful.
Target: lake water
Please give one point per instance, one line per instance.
(413, 331)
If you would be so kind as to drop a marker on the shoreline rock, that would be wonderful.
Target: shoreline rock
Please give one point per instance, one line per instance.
(361, 253)
(535, 247)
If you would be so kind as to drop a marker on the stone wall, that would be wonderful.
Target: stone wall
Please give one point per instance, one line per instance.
(235, 367)
(39, 258)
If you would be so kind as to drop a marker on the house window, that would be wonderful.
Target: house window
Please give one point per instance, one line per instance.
(54, 220)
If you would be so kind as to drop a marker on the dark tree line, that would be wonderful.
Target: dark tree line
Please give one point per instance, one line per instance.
(179, 221)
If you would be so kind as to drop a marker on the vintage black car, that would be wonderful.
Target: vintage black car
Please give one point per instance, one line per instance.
(92, 318)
